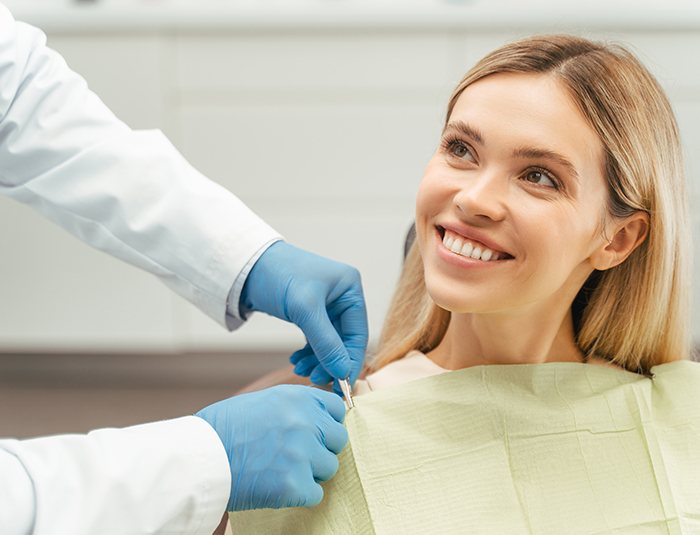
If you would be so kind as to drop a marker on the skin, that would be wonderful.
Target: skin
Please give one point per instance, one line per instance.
(553, 226)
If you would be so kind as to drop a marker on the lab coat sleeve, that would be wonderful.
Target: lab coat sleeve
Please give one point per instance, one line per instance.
(129, 193)
(164, 477)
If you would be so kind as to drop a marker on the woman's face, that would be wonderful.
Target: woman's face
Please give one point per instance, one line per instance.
(509, 211)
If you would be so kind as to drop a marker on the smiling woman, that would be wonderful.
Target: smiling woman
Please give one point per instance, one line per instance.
(551, 221)
(549, 277)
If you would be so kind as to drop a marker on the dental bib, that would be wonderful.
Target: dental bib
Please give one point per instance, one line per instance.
(547, 449)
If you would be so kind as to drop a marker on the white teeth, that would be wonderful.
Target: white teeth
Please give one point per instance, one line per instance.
(462, 247)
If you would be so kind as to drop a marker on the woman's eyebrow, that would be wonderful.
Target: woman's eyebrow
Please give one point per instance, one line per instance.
(522, 152)
(546, 154)
(465, 129)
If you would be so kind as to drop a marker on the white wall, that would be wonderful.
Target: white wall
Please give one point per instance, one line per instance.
(323, 132)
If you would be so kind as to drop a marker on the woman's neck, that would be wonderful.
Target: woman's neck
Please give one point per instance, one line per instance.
(528, 338)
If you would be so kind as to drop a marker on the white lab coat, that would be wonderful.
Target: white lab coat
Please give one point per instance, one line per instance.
(132, 195)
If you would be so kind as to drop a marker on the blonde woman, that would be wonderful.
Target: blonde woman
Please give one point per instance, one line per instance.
(560, 163)
(551, 230)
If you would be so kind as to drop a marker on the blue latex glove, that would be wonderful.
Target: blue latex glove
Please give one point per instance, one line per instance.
(324, 298)
(280, 442)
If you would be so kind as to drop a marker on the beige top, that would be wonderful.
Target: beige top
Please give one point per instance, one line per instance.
(415, 365)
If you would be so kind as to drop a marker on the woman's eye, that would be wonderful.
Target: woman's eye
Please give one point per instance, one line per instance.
(460, 150)
(540, 177)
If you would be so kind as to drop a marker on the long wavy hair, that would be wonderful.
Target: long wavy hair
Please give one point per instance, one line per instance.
(637, 313)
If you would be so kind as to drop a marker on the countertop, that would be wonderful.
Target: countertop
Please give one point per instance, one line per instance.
(408, 15)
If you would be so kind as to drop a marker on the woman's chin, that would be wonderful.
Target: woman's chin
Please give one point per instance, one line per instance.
(446, 299)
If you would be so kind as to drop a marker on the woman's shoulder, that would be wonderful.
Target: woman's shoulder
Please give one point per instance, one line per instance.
(415, 365)
(682, 377)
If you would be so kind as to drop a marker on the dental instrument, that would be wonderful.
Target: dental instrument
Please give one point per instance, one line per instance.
(347, 392)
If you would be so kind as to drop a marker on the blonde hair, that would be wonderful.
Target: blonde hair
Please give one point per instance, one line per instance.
(637, 313)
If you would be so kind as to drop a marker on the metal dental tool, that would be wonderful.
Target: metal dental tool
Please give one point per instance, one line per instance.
(347, 392)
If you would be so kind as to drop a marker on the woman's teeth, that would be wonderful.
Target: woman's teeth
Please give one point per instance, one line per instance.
(461, 246)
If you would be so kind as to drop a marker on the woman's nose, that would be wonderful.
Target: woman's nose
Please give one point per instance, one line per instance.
(483, 195)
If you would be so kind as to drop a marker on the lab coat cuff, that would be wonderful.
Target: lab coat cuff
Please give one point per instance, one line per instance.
(234, 318)
(215, 473)
(171, 476)
(199, 481)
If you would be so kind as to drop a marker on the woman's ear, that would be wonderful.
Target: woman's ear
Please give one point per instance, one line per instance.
(628, 235)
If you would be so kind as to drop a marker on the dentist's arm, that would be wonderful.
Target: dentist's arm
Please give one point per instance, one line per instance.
(266, 449)
(164, 477)
(131, 194)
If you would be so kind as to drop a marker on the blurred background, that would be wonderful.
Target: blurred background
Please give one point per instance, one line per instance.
(320, 115)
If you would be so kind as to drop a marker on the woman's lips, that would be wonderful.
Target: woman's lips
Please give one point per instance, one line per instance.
(469, 247)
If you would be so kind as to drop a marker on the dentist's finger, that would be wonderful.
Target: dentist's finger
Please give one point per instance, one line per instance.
(326, 344)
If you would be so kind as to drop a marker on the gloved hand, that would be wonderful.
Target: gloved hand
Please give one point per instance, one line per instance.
(324, 298)
(279, 443)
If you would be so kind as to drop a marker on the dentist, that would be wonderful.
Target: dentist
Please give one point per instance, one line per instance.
(131, 194)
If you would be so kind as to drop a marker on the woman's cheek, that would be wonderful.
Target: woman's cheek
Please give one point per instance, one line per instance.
(431, 197)
(424, 207)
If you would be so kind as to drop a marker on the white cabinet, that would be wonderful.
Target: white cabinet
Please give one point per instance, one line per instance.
(325, 134)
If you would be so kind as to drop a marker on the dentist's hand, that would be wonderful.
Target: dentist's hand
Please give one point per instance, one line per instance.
(279, 443)
(324, 298)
